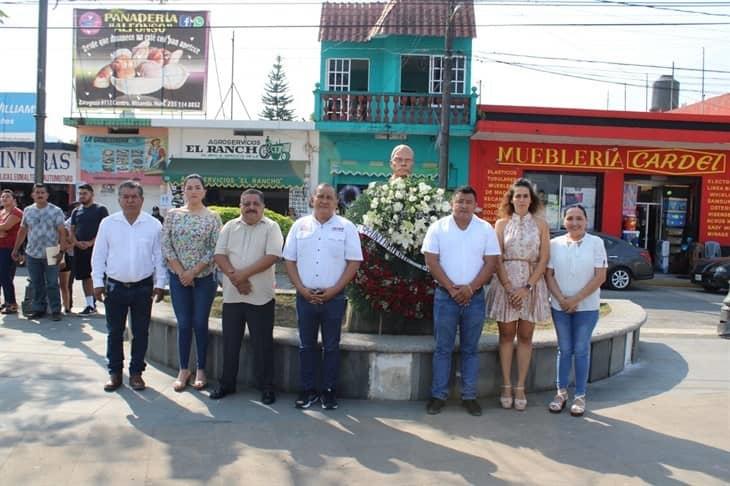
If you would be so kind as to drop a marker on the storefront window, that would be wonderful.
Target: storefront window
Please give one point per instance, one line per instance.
(560, 191)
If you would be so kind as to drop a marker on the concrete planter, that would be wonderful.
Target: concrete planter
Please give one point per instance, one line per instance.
(399, 367)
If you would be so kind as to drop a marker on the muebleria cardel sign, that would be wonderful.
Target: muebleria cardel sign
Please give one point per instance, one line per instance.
(650, 160)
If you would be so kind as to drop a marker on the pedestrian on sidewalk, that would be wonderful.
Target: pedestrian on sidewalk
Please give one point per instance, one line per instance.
(576, 271)
(461, 253)
(85, 221)
(10, 217)
(127, 270)
(189, 236)
(519, 297)
(42, 224)
(65, 275)
(322, 255)
(247, 249)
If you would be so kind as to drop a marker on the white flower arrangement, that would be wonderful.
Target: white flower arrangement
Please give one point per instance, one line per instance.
(403, 209)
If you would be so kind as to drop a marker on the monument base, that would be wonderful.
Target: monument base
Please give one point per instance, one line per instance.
(385, 323)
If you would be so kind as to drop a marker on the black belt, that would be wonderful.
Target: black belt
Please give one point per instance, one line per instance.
(142, 283)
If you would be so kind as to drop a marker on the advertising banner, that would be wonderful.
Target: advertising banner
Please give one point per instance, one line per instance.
(17, 164)
(16, 113)
(121, 158)
(219, 144)
(140, 58)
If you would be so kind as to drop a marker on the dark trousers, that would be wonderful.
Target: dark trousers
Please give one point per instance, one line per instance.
(310, 318)
(7, 274)
(260, 320)
(137, 302)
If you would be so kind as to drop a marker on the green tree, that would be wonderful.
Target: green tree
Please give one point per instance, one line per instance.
(276, 97)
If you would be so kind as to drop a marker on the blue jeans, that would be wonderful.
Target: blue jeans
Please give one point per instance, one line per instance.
(137, 302)
(7, 274)
(44, 281)
(311, 317)
(192, 309)
(469, 319)
(574, 341)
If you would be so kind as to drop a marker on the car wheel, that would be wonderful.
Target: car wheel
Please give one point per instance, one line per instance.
(619, 279)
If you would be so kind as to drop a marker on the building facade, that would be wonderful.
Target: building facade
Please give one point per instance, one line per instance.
(380, 86)
(646, 177)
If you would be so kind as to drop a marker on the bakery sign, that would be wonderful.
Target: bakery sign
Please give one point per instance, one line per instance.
(669, 161)
(17, 164)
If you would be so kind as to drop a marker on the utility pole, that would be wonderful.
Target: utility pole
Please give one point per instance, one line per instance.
(40, 107)
(446, 97)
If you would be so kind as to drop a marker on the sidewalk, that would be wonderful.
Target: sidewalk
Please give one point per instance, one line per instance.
(664, 420)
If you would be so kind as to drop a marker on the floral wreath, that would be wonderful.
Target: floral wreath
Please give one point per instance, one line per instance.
(391, 277)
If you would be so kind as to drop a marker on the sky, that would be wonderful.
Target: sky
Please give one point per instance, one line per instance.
(566, 61)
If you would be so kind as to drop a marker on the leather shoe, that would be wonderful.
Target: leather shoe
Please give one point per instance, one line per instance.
(268, 397)
(36, 315)
(218, 393)
(136, 382)
(115, 381)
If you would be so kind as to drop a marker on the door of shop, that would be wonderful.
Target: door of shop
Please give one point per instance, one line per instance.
(648, 223)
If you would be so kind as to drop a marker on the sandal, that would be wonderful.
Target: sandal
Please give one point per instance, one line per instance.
(520, 403)
(200, 380)
(504, 400)
(10, 309)
(579, 406)
(179, 385)
(558, 403)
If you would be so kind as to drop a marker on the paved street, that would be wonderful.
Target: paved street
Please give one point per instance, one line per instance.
(677, 309)
(662, 421)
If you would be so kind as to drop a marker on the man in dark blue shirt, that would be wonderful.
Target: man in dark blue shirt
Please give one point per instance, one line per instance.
(85, 222)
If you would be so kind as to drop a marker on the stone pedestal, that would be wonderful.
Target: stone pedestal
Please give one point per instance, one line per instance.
(385, 323)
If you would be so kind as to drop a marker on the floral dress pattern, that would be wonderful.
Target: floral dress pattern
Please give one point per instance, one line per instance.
(520, 254)
(190, 238)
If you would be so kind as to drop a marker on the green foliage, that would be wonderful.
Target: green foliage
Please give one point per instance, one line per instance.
(2, 16)
(276, 97)
(228, 213)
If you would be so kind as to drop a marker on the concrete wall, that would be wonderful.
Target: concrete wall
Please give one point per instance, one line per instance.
(399, 367)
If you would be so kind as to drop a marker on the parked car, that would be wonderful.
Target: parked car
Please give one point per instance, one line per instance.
(712, 274)
(626, 262)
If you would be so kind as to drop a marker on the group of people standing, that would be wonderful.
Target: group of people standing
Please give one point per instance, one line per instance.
(57, 250)
(127, 259)
(135, 257)
(536, 278)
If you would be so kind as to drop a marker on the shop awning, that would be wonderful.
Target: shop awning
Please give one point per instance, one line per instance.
(379, 168)
(264, 174)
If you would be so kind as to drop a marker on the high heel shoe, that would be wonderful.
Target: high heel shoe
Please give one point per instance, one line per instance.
(558, 403)
(520, 403)
(200, 381)
(180, 384)
(506, 401)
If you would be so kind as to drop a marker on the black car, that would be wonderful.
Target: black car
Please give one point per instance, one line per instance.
(626, 263)
(712, 273)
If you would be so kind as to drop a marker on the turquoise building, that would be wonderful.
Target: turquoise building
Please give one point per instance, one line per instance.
(380, 86)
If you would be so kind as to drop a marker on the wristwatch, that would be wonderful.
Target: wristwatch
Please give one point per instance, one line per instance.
(528, 286)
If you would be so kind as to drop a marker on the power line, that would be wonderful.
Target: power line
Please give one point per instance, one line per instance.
(613, 63)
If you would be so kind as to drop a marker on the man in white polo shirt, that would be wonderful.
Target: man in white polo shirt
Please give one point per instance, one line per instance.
(461, 252)
(322, 254)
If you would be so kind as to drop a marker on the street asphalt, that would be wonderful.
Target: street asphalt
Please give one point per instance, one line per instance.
(664, 420)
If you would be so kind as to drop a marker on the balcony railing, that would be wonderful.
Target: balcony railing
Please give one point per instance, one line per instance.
(391, 108)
